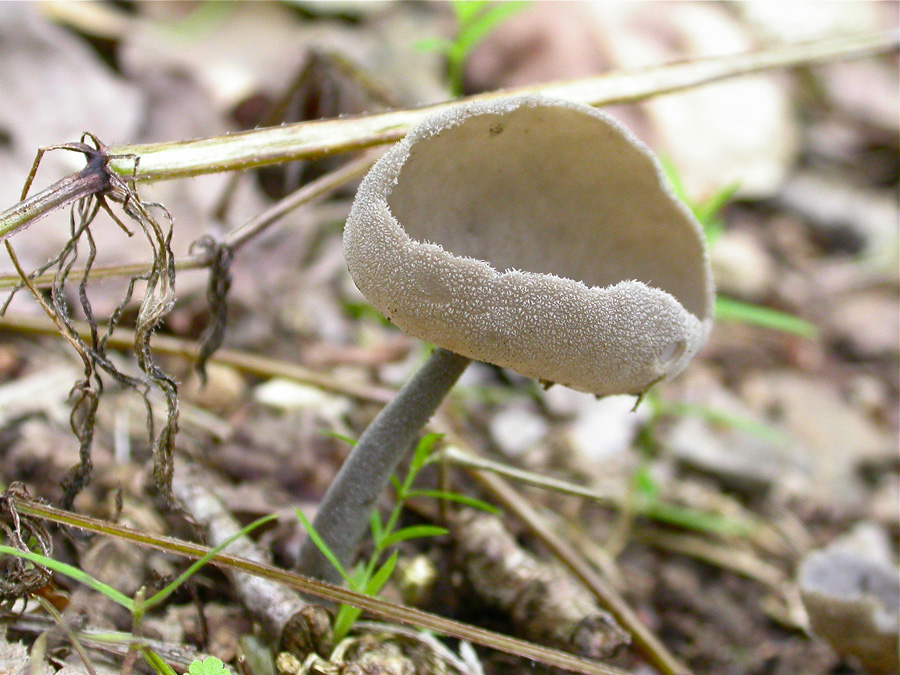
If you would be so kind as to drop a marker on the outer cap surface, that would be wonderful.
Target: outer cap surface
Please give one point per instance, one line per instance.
(538, 235)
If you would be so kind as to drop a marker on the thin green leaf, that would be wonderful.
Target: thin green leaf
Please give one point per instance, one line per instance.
(359, 577)
(343, 621)
(420, 456)
(672, 174)
(480, 24)
(691, 519)
(380, 578)
(412, 532)
(474, 21)
(646, 485)
(322, 546)
(706, 211)
(397, 485)
(72, 572)
(377, 528)
(713, 230)
(465, 500)
(200, 562)
(728, 309)
(340, 437)
(433, 45)
(465, 10)
(201, 21)
(156, 662)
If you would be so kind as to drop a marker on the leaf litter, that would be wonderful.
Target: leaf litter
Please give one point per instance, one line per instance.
(707, 614)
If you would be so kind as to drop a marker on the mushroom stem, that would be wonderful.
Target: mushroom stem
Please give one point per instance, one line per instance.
(343, 515)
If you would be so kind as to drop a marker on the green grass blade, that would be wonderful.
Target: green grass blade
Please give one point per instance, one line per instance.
(434, 44)
(691, 519)
(347, 615)
(377, 529)
(380, 578)
(73, 573)
(156, 662)
(713, 229)
(333, 434)
(729, 309)
(465, 10)
(420, 458)
(480, 23)
(674, 178)
(727, 419)
(708, 210)
(465, 500)
(322, 546)
(397, 485)
(359, 577)
(413, 532)
(195, 567)
(646, 485)
(343, 621)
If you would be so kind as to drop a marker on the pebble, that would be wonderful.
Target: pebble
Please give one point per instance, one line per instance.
(224, 389)
(742, 460)
(868, 322)
(837, 438)
(607, 427)
(741, 265)
(517, 428)
(287, 395)
(845, 217)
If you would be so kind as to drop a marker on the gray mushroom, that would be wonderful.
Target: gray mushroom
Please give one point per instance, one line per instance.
(853, 602)
(531, 233)
(538, 235)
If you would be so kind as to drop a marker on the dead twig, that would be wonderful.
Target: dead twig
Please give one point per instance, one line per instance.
(545, 603)
(274, 145)
(297, 625)
(260, 366)
(645, 641)
(236, 238)
(320, 589)
(118, 644)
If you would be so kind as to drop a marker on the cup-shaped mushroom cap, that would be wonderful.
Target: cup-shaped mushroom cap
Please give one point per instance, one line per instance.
(538, 235)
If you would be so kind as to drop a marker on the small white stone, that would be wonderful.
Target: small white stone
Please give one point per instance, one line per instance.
(286, 395)
(741, 265)
(607, 427)
(517, 429)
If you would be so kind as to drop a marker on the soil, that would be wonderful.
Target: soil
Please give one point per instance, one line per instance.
(795, 432)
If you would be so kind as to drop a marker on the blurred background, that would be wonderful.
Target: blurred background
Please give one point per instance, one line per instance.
(789, 418)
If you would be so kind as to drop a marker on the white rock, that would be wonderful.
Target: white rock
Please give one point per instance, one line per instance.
(517, 428)
(741, 265)
(287, 395)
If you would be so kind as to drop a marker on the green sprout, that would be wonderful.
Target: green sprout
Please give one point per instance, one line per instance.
(475, 19)
(728, 309)
(369, 577)
(139, 606)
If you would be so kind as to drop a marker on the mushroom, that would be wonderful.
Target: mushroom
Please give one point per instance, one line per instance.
(853, 602)
(532, 233)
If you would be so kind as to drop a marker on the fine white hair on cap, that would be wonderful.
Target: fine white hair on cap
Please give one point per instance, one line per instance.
(535, 234)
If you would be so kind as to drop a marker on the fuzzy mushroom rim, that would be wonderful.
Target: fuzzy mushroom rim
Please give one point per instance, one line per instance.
(470, 189)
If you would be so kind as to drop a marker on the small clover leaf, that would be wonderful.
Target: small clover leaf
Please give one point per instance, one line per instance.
(208, 666)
